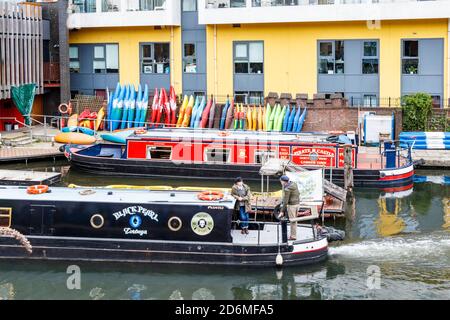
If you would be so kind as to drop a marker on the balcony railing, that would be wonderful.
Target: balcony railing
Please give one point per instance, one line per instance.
(214, 4)
(92, 6)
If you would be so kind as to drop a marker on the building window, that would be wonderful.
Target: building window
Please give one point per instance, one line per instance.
(370, 100)
(249, 97)
(74, 63)
(370, 57)
(331, 57)
(5, 217)
(110, 5)
(190, 58)
(249, 57)
(436, 101)
(83, 6)
(189, 5)
(155, 58)
(237, 3)
(106, 58)
(262, 156)
(217, 155)
(410, 57)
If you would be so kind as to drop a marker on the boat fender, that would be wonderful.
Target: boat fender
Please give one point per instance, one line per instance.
(279, 260)
(37, 189)
(210, 195)
(382, 174)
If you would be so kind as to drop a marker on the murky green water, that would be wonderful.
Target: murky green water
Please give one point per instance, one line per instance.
(404, 236)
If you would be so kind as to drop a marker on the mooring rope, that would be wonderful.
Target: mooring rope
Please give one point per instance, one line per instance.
(8, 232)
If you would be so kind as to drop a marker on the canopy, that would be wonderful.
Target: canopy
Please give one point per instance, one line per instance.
(23, 97)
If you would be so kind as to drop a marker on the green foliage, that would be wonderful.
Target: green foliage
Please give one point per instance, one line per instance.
(416, 111)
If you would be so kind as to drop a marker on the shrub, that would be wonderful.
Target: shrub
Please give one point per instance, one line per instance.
(416, 111)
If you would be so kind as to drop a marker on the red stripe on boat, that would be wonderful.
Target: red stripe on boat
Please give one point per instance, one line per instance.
(398, 177)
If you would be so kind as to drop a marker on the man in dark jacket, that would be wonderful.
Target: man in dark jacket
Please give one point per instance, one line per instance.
(290, 203)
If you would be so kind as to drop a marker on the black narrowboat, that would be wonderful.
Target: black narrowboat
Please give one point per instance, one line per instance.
(141, 226)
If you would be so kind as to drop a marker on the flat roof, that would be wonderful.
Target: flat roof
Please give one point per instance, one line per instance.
(211, 134)
(103, 195)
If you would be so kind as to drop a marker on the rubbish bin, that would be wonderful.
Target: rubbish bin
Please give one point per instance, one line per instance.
(390, 154)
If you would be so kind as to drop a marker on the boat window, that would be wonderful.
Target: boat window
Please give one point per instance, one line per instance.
(5, 217)
(159, 152)
(262, 155)
(217, 155)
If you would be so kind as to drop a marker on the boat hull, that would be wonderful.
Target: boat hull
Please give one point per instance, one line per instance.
(369, 178)
(162, 252)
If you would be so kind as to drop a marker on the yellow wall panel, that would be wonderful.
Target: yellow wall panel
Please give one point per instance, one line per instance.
(290, 51)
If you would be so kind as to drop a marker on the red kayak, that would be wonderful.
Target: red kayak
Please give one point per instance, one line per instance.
(205, 114)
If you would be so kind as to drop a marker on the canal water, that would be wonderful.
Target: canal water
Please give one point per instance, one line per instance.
(397, 247)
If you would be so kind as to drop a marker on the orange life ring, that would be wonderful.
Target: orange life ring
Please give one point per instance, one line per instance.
(140, 131)
(63, 108)
(210, 195)
(37, 189)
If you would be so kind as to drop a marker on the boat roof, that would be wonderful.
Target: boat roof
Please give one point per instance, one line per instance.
(103, 195)
(212, 134)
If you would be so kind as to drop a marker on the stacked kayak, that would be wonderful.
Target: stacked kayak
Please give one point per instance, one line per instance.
(127, 108)
(426, 140)
(164, 108)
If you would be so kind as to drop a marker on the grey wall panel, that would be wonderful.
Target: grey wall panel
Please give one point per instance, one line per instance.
(362, 83)
(352, 56)
(249, 82)
(431, 56)
(155, 81)
(86, 57)
(194, 82)
(194, 36)
(331, 83)
(422, 83)
(80, 81)
(189, 20)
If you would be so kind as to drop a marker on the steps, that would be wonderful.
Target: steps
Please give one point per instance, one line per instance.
(17, 139)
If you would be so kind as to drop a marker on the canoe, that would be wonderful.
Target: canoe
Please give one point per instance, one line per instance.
(73, 120)
(249, 118)
(117, 108)
(205, 114)
(296, 118)
(182, 111)
(254, 118)
(268, 113)
(223, 115)
(236, 117)
(241, 124)
(286, 119)
(199, 112)
(144, 107)
(291, 120)
(119, 136)
(301, 120)
(84, 130)
(100, 117)
(126, 108)
(229, 116)
(132, 107)
(173, 106)
(164, 108)
(74, 138)
(188, 112)
(212, 113)
(260, 118)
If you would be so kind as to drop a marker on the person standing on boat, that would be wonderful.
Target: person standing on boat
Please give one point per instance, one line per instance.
(290, 203)
(241, 192)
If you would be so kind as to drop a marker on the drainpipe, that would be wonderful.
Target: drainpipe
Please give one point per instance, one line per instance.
(215, 60)
(172, 71)
(448, 63)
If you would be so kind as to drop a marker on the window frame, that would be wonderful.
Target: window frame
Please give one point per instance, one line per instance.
(195, 6)
(154, 62)
(193, 59)
(247, 96)
(332, 60)
(376, 57)
(77, 59)
(6, 215)
(410, 58)
(228, 150)
(149, 149)
(105, 58)
(259, 152)
(246, 59)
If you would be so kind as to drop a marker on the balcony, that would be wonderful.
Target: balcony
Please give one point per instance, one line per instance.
(123, 13)
(270, 11)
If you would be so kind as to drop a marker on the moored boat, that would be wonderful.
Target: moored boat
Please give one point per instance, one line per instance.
(141, 226)
(219, 154)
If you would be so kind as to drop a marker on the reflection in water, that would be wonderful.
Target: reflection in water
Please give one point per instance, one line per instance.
(7, 291)
(446, 208)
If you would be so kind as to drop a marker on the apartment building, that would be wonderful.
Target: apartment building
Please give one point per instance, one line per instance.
(371, 51)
